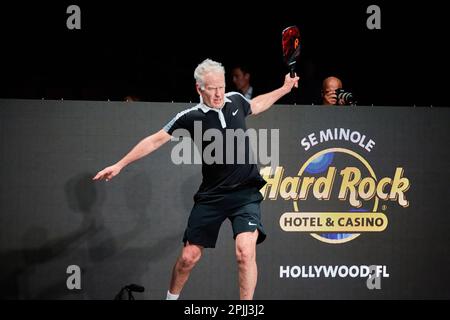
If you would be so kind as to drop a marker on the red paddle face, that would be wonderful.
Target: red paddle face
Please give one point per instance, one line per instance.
(291, 46)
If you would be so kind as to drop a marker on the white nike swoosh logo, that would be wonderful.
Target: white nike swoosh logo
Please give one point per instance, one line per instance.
(234, 113)
(252, 224)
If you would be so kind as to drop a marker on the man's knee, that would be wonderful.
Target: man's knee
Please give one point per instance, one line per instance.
(190, 256)
(245, 256)
(246, 248)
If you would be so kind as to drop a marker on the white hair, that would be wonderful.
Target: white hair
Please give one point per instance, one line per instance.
(205, 67)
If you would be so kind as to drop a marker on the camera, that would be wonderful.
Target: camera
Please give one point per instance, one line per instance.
(345, 96)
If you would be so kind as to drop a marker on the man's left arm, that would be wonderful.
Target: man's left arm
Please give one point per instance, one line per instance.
(264, 101)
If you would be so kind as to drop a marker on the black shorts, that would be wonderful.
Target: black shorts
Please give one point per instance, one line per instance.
(241, 206)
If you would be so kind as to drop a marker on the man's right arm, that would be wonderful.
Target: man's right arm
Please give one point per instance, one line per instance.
(142, 149)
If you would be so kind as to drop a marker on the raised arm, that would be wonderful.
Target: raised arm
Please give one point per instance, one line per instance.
(264, 101)
(143, 148)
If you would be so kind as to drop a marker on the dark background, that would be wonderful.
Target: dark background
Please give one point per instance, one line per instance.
(150, 49)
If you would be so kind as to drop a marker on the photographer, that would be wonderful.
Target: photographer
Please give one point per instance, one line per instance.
(331, 86)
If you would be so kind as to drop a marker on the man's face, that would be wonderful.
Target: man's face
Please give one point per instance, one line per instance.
(240, 79)
(329, 92)
(214, 92)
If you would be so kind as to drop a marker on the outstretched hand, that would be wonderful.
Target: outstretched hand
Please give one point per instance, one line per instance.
(108, 173)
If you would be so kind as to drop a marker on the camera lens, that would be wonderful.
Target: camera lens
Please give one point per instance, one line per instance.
(346, 97)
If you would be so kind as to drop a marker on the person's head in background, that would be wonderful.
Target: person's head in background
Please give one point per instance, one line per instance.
(241, 80)
(329, 87)
(131, 98)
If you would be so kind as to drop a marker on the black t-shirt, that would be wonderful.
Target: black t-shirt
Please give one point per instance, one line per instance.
(225, 176)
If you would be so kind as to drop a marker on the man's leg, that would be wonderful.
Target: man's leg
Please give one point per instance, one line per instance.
(246, 259)
(187, 260)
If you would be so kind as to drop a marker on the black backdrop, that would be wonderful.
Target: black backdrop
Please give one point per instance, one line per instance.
(151, 50)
